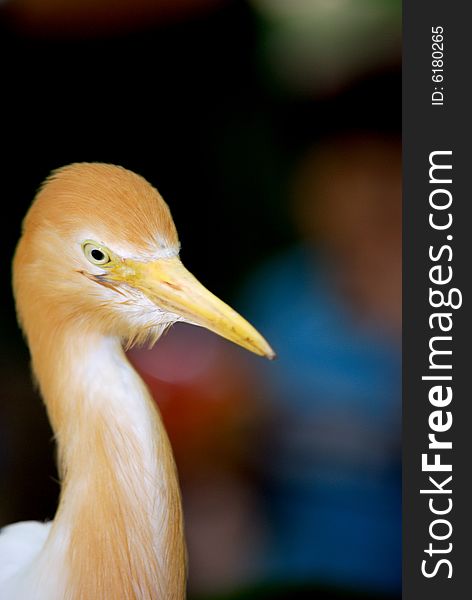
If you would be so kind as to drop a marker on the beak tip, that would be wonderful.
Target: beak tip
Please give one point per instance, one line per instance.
(267, 352)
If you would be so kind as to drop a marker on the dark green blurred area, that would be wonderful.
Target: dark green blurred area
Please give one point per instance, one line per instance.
(215, 108)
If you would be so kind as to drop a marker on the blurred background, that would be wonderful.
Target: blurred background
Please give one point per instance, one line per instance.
(271, 127)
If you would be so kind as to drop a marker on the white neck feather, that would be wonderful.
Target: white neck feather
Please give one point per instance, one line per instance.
(118, 530)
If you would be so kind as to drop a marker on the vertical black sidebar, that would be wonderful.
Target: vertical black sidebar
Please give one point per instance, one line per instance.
(437, 347)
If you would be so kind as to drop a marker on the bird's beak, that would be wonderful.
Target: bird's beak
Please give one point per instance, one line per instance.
(167, 283)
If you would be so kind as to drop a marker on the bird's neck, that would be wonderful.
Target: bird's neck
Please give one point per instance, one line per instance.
(118, 528)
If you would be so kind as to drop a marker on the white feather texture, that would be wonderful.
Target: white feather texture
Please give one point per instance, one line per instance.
(20, 545)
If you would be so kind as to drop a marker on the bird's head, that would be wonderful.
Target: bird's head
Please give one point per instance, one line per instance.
(99, 248)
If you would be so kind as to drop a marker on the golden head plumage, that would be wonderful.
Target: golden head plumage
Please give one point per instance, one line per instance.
(110, 200)
(96, 267)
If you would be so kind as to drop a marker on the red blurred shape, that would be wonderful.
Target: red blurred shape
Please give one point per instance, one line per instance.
(198, 383)
(98, 17)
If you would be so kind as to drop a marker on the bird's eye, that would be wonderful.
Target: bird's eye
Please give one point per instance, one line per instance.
(95, 254)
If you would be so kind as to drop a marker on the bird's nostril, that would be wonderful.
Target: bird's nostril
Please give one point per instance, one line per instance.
(174, 286)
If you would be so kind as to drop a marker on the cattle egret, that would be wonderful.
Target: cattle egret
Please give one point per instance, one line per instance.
(96, 270)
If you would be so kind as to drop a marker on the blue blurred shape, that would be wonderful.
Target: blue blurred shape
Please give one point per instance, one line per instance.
(330, 451)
